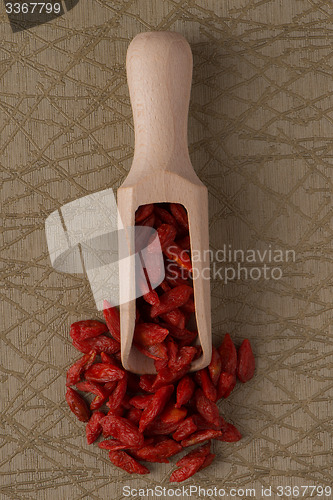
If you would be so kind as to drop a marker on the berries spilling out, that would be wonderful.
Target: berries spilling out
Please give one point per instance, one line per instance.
(151, 418)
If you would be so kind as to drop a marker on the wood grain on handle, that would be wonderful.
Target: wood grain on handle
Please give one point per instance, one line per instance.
(159, 73)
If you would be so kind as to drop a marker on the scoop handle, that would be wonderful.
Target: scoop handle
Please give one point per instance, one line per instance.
(159, 74)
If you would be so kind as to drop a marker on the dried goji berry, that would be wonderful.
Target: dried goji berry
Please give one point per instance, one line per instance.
(228, 355)
(134, 415)
(98, 345)
(159, 452)
(185, 390)
(184, 242)
(187, 470)
(166, 234)
(208, 460)
(200, 437)
(147, 334)
(103, 372)
(225, 385)
(141, 401)
(230, 434)
(180, 256)
(184, 358)
(185, 429)
(170, 300)
(215, 366)
(151, 297)
(143, 212)
(246, 362)
(122, 429)
(180, 214)
(174, 318)
(87, 329)
(75, 372)
(126, 462)
(94, 427)
(77, 405)
(173, 414)
(168, 376)
(157, 351)
(112, 318)
(158, 428)
(95, 388)
(159, 400)
(203, 380)
(114, 445)
(201, 451)
(146, 382)
(165, 216)
(206, 407)
(118, 395)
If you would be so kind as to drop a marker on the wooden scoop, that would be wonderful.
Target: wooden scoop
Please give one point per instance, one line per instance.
(159, 73)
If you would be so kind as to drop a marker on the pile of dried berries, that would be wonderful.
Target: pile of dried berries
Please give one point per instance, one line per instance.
(154, 417)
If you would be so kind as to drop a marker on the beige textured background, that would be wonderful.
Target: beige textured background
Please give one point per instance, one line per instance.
(260, 134)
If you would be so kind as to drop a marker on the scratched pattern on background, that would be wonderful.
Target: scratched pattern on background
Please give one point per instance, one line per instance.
(260, 135)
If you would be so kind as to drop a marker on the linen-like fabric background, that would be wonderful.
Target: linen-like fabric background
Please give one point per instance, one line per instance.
(260, 138)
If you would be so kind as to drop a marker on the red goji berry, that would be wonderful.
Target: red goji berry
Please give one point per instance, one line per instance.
(151, 297)
(126, 462)
(184, 242)
(168, 376)
(228, 355)
(118, 395)
(185, 429)
(95, 388)
(203, 380)
(158, 428)
(159, 452)
(98, 345)
(174, 318)
(206, 407)
(170, 300)
(172, 414)
(166, 234)
(185, 390)
(180, 256)
(165, 216)
(141, 401)
(94, 427)
(103, 372)
(215, 366)
(246, 362)
(200, 437)
(159, 400)
(157, 351)
(201, 451)
(148, 334)
(87, 329)
(180, 214)
(146, 382)
(225, 385)
(208, 460)
(74, 373)
(230, 434)
(134, 415)
(77, 405)
(187, 471)
(122, 429)
(143, 212)
(112, 318)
